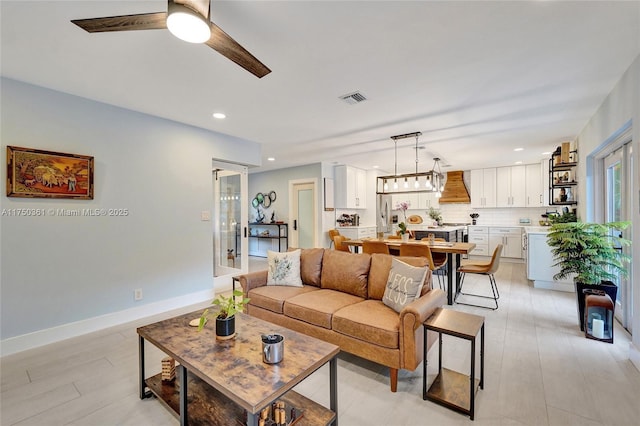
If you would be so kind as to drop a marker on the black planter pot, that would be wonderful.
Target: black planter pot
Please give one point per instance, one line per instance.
(607, 286)
(225, 327)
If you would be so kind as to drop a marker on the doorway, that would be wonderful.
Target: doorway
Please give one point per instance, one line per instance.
(302, 213)
(230, 216)
(617, 168)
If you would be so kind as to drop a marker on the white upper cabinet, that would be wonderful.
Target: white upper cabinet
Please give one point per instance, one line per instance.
(350, 188)
(427, 200)
(510, 186)
(535, 189)
(483, 188)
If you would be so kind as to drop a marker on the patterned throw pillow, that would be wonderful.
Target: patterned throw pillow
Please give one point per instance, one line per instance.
(403, 285)
(284, 268)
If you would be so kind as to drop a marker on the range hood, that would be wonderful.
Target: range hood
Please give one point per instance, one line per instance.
(455, 190)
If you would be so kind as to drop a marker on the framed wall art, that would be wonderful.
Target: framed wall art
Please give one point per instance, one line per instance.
(34, 173)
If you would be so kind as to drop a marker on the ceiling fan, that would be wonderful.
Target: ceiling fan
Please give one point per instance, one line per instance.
(186, 19)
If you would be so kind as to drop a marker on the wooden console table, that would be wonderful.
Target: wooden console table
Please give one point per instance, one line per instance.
(227, 382)
(450, 388)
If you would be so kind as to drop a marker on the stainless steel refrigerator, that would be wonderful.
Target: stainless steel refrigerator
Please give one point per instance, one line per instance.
(383, 213)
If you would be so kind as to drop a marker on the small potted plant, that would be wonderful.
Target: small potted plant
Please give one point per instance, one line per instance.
(225, 315)
(435, 215)
(591, 253)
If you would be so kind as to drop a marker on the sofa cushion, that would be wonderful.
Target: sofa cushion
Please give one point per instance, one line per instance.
(272, 297)
(379, 273)
(404, 284)
(284, 268)
(370, 321)
(311, 265)
(317, 307)
(345, 272)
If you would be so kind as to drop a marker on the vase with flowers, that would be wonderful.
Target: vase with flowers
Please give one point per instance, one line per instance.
(403, 206)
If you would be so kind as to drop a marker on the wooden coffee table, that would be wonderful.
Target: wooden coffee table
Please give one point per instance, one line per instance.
(227, 382)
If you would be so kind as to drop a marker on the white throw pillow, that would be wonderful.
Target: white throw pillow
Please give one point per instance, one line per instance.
(403, 285)
(284, 268)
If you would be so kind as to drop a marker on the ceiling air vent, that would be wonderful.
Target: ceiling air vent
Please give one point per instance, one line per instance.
(353, 98)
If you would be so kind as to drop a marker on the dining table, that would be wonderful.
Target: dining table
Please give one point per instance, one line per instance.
(453, 250)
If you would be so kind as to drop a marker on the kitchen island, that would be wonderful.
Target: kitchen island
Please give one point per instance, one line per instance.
(540, 261)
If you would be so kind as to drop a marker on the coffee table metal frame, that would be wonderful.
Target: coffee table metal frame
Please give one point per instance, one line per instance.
(448, 388)
(252, 414)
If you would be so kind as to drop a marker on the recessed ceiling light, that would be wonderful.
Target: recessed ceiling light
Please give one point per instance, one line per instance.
(219, 115)
(519, 149)
(271, 159)
(546, 153)
(375, 167)
(518, 162)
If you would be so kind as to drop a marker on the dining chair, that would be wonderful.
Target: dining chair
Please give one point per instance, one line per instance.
(440, 261)
(374, 246)
(418, 250)
(482, 268)
(337, 243)
(332, 233)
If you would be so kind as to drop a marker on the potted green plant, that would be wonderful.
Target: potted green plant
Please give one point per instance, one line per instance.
(225, 314)
(435, 215)
(591, 253)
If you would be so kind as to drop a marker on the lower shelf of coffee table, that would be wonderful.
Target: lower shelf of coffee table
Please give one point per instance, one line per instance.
(207, 406)
(451, 389)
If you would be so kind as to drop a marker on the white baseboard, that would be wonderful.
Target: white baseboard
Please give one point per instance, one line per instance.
(51, 335)
(554, 285)
(634, 355)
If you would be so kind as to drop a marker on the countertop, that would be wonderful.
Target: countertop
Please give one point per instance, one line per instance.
(425, 227)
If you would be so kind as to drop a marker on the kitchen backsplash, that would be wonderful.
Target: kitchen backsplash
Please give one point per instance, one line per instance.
(459, 213)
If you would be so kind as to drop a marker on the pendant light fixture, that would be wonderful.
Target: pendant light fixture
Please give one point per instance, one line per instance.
(434, 179)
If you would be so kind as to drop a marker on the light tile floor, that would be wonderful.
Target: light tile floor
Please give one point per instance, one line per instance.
(540, 370)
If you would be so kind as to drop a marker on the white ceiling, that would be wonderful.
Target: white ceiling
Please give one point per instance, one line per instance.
(477, 78)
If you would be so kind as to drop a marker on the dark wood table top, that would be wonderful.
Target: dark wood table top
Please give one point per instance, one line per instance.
(455, 323)
(234, 367)
(436, 247)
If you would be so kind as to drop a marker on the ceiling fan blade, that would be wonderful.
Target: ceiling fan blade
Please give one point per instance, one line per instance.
(222, 43)
(144, 21)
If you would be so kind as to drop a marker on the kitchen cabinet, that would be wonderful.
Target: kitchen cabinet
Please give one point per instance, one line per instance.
(510, 186)
(509, 237)
(483, 188)
(479, 235)
(540, 263)
(412, 198)
(534, 192)
(428, 200)
(358, 232)
(350, 187)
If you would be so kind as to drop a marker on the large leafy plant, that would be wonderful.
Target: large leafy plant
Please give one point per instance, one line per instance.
(591, 251)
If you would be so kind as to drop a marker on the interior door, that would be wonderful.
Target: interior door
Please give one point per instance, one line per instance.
(303, 221)
(230, 218)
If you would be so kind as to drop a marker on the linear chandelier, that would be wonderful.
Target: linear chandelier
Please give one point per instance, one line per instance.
(430, 181)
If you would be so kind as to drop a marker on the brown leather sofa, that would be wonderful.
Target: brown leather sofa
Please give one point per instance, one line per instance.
(341, 303)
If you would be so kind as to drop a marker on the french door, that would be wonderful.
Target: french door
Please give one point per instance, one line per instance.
(230, 218)
(617, 194)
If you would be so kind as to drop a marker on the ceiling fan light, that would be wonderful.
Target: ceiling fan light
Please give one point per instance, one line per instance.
(187, 24)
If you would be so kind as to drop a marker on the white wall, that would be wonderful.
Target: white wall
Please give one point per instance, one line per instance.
(63, 270)
(278, 180)
(620, 106)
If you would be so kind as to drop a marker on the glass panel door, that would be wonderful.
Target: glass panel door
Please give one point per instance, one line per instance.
(230, 219)
(615, 210)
